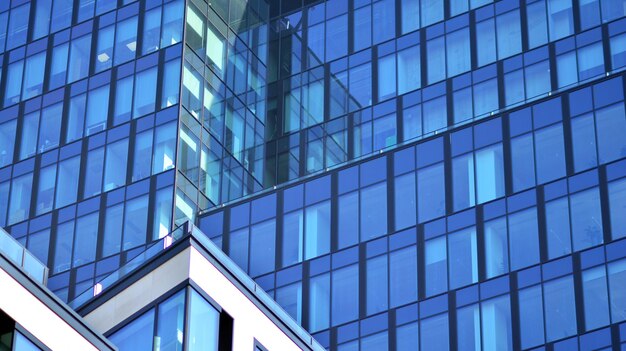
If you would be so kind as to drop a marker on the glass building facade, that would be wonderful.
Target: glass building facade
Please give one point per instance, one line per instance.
(397, 174)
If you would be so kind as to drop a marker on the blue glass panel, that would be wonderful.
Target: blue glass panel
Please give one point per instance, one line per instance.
(496, 324)
(317, 230)
(67, 186)
(617, 286)
(596, 298)
(345, 303)
(403, 276)
(203, 325)
(376, 285)
(523, 239)
(7, 142)
(560, 308)
(611, 127)
(586, 219)
(319, 302)
(374, 211)
(531, 317)
(463, 258)
(434, 333)
(135, 222)
(262, 247)
(407, 337)
(468, 328)
(496, 248)
(86, 239)
(436, 269)
(558, 228)
(348, 232)
(170, 323)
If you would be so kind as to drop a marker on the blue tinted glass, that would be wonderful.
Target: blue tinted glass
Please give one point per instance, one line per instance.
(142, 156)
(376, 342)
(7, 142)
(489, 173)
(67, 186)
(509, 34)
(21, 188)
(436, 269)
(30, 129)
(376, 285)
(558, 228)
(463, 257)
(617, 203)
(560, 18)
(33, 75)
(97, 110)
(537, 24)
(584, 142)
(589, 13)
(293, 236)
(115, 168)
(151, 30)
(560, 308)
(50, 128)
(126, 40)
(239, 248)
(104, 51)
(170, 322)
(58, 68)
(383, 17)
(145, 92)
(430, 193)
(486, 35)
(4, 201)
(596, 298)
(496, 248)
(18, 26)
(290, 298)
(80, 53)
(611, 127)
(434, 333)
(345, 304)
(531, 317)
(203, 324)
(21, 343)
(549, 153)
(374, 211)
(42, 18)
(409, 68)
(13, 83)
(135, 220)
(523, 162)
(463, 181)
(435, 49)
(45, 191)
(407, 337)
(468, 328)
(38, 245)
(523, 238)
(405, 201)
(348, 233)
(496, 324)
(76, 118)
(458, 52)
(403, 276)
(86, 239)
(172, 23)
(262, 247)
(111, 241)
(63, 247)
(432, 11)
(618, 51)
(586, 218)
(319, 295)
(61, 14)
(617, 286)
(93, 172)
(317, 230)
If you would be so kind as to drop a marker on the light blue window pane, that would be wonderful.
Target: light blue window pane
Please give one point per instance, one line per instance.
(58, 68)
(164, 148)
(80, 56)
(435, 49)
(435, 114)
(292, 242)
(67, 186)
(434, 333)
(410, 10)
(531, 317)
(612, 9)
(4, 202)
(523, 238)
(106, 5)
(93, 172)
(589, 13)
(559, 308)
(590, 61)
(537, 79)
(514, 87)
(557, 228)
(13, 83)
(123, 100)
(617, 202)
(376, 285)
(170, 323)
(142, 165)
(64, 247)
(458, 52)
(457, 7)
(145, 92)
(584, 142)
(463, 258)
(403, 276)
(566, 68)
(290, 298)
(86, 239)
(162, 213)
(489, 173)
(596, 298)
(135, 222)
(496, 248)
(463, 106)
(485, 97)
(362, 28)
(405, 201)
(61, 14)
(345, 304)
(618, 51)
(38, 244)
(30, 129)
(204, 322)
(496, 324)
(384, 132)
(376, 342)
(137, 335)
(586, 219)
(42, 18)
(361, 86)
(111, 241)
(523, 162)
(262, 247)
(374, 211)
(336, 38)
(407, 337)
(509, 34)
(611, 128)
(468, 328)
(4, 19)
(104, 51)
(387, 69)
(86, 8)
(349, 346)
(115, 167)
(436, 269)
(126, 40)
(76, 118)
(315, 42)
(383, 18)
(617, 286)
(317, 230)
(431, 193)
(409, 69)
(348, 233)
(45, 190)
(21, 343)
(486, 36)
(412, 122)
(170, 84)
(151, 30)
(97, 110)
(50, 128)
(549, 153)
(172, 23)
(432, 11)
(319, 302)
(18, 26)
(33, 75)
(7, 142)
(560, 18)
(238, 250)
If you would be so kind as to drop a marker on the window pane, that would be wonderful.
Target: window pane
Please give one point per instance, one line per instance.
(557, 227)
(63, 247)
(524, 238)
(434, 333)
(123, 100)
(76, 118)
(531, 317)
(45, 191)
(151, 30)
(468, 328)
(596, 298)
(523, 162)
(7, 142)
(560, 308)
(405, 214)
(407, 337)
(262, 248)
(496, 248)
(293, 231)
(348, 232)
(550, 154)
(611, 128)
(317, 230)
(126, 40)
(617, 202)
(145, 92)
(19, 207)
(409, 68)
(137, 335)
(111, 242)
(86, 239)
(586, 219)
(462, 182)
(50, 128)
(67, 186)
(170, 322)
(431, 193)
(80, 55)
(33, 75)
(97, 110)
(30, 129)
(319, 302)
(116, 160)
(203, 324)
(376, 281)
(135, 222)
(93, 172)
(436, 269)
(584, 142)
(374, 211)
(462, 253)
(162, 213)
(617, 284)
(290, 298)
(403, 276)
(345, 305)
(489, 173)
(496, 324)
(142, 165)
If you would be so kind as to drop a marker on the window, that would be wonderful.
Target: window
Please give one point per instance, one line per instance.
(558, 228)
(86, 239)
(434, 333)
(50, 129)
(45, 190)
(373, 211)
(67, 186)
(136, 335)
(559, 308)
(19, 207)
(495, 316)
(376, 281)
(97, 110)
(436, 269)
(116, 162)
(524, 238)
(262, 247)
(617, 289)
(7, 142)
(345, 303)
(203, 324)
(80, 56)
(496, 247)
(531, 317)
(430, 193)
(403, 276)
(135, 222)
(463, 258)
(170, 323)
(617, 203)
(586, 219)
(596, 298)
(317, 230)
(319, 302)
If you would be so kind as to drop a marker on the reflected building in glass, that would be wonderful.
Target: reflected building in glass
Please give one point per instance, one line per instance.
(396, 174)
